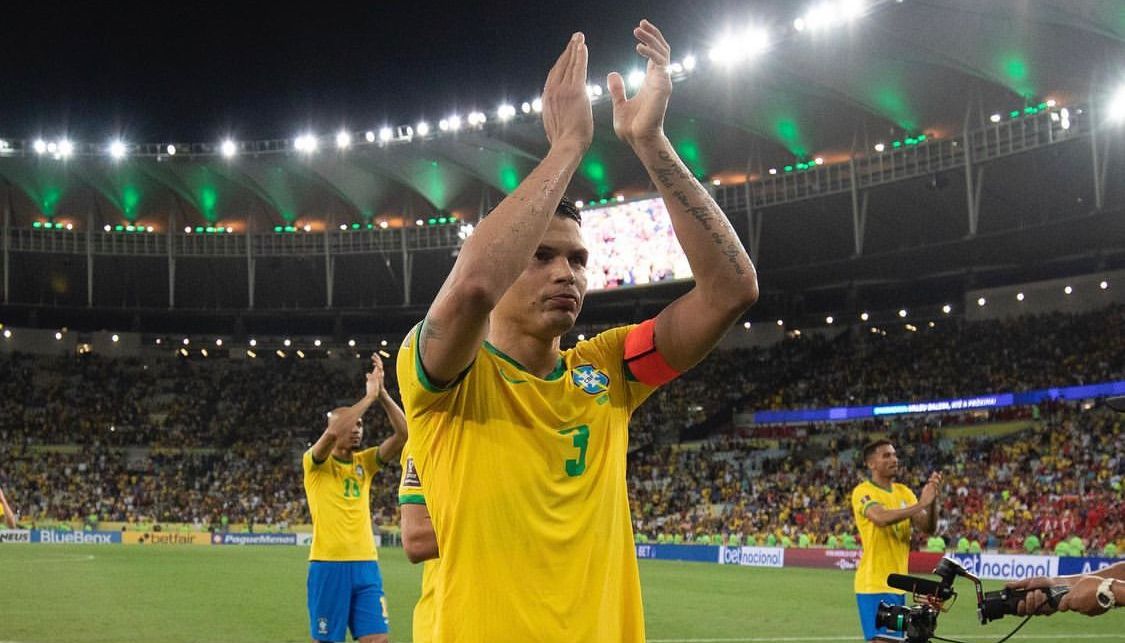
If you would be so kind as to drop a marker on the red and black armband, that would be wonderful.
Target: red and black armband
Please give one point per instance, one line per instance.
(642, 361)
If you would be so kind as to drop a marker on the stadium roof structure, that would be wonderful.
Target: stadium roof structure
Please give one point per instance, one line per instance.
(875, 142)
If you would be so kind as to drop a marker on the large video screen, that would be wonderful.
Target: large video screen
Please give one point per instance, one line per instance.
(631, 244)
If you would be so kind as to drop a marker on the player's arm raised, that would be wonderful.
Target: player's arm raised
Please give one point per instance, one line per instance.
(882, 516)
(9, 515)
(342, 419)
(926, 520)
(726, 283)
(391, 447)
(504, 242)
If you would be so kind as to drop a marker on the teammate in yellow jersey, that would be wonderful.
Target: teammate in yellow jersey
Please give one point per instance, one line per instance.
(345, 587)
(6, 512)
(522, 445)
(884, 513)
(419, 542)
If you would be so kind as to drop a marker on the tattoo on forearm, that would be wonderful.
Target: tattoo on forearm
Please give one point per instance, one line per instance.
(429, 330)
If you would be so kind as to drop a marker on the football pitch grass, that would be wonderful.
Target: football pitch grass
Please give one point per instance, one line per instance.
(255, 593)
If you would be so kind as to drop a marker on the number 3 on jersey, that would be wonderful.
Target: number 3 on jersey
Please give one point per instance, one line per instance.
(351, 488)
(577, 467)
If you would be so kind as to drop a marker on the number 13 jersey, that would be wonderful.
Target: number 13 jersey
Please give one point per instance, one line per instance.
(525, 484)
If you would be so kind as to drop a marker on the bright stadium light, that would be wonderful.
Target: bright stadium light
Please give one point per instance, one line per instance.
(343, 140)
(343, 226)
(477, 119)
(171, 149)
(219, 343)
(454, 123)
(307, 227)
(579, 204)
(386, 134)
(115, 338)
(995, 118)
(384, 225)
(635, 79)
(7, 333)
(40, 146)
(107, 227)
(981, 301)
(746, 325)
(1019, 296)
(187, 341)
(187, 229)
(369, 136)
(316, 342)
(66, 148)
(581, 337)
(505, 112)
(594, 90)
(58, 337)
(864, 316)
(947, 309)
(879, 147)
(733, 49)
(253, 343)
(799, 24)
(829, 320)
(773, 170)
(537, 105)
(689, 63)
(117, 150)
(383, 342)
(852, 9)
(902, 313)
(1104, 285)
(419, 222)
(288, 342)
(228, 148)
(819, 160)
(781, 322)
(1068, 290)
(305, 143)
(351, 343)
(443, 125)
(526, 108)
(423, 128)
(1116, 108)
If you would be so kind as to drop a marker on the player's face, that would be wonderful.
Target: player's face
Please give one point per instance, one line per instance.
(356, 436)
(884, 461)
(548, 295)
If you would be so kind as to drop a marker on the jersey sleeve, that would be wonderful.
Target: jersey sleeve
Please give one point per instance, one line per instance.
(410, 491)
(308, 464)
(862, 501)
(608, 349)
(370, 460)
(909, 496)
(418, 392)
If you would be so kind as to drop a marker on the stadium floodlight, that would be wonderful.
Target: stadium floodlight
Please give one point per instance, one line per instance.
(369, 136)
(852, 9)
(579, 204)
(981, 301)
(773, 170)
(230, 229)
(58, 336)
(187, 229)
(187, 341)
(635, 79)
(526, 108)
(384, 225)
(505, 112)
(879, 147)
(251, 354)
(746, 325)
(537, 105)
(288, 342)
(689, 62)
(117, 150)
(383, 342)
(477, 119)
(829, 320)
(70, 226)
(581, 337)
(995, 118)
(40, 146)
(203, 352)
(115, 338)
(1019, 296)
(219, 343)
(454, 122)
(1068, 290)
(1051, 102)
(316, 342)
(902, 313)
(343, 140)
(781, 322)
(171, 149)
(343, 226)
(228, 148)
(716, 182)
(423, 128)
(107, 227)
(301, 354)
(735, 49)
(305, 143)
(385, 134)
(1116, 108)
(819, 160)
(253, 342)
(621, 198)
(443, 124)
(419, 222)
(7, 333)
(947, 309)
(66, 148)
(351, 343)
(594, 90)
(307, 228)
(1104, 285)
(676, 68)
(864, 316)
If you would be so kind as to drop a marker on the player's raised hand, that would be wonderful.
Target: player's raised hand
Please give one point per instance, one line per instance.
(375, 378)
(567, 117)
(641, 118)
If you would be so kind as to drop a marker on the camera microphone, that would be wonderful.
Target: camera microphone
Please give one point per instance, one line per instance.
(914, 584)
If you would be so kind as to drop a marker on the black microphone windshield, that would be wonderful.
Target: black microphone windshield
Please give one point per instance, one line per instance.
(913, 584)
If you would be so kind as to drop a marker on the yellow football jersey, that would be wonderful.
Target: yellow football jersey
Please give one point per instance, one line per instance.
(886, 550)
(339, 496)
(410, 491)
(525, 484)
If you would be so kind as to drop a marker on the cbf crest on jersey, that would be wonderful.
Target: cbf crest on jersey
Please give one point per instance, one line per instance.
(359, 471)
(589, 379)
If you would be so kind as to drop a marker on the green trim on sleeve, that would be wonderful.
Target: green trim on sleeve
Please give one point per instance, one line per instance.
(420, 371)
(868, 506)
(412, 499)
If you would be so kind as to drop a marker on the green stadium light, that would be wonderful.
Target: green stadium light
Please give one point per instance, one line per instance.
(788, 168)
(442, 220)
(1015, 113)
(355, 226)
(290, 228)
(431, 221)
(370, 226)
(1041, 106)
(209, 229)
(36, 224)
(199, 228)
(802, 166)
(896, 144)
(1029, 109)
(921, 138)
(277, 228)
(911, 140)
(118, 228)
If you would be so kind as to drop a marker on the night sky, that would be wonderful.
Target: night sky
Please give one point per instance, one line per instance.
(196, 71)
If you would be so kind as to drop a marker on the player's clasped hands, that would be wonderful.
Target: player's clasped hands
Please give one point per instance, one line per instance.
(567, 116)
(641, 117)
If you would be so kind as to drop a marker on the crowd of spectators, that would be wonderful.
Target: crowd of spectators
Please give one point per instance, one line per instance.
(212, 442)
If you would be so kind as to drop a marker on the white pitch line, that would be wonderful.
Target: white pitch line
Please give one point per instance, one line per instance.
(800, 639)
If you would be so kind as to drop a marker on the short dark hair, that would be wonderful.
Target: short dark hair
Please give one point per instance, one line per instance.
(566, 209)
(870, 449)
(569, 210)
